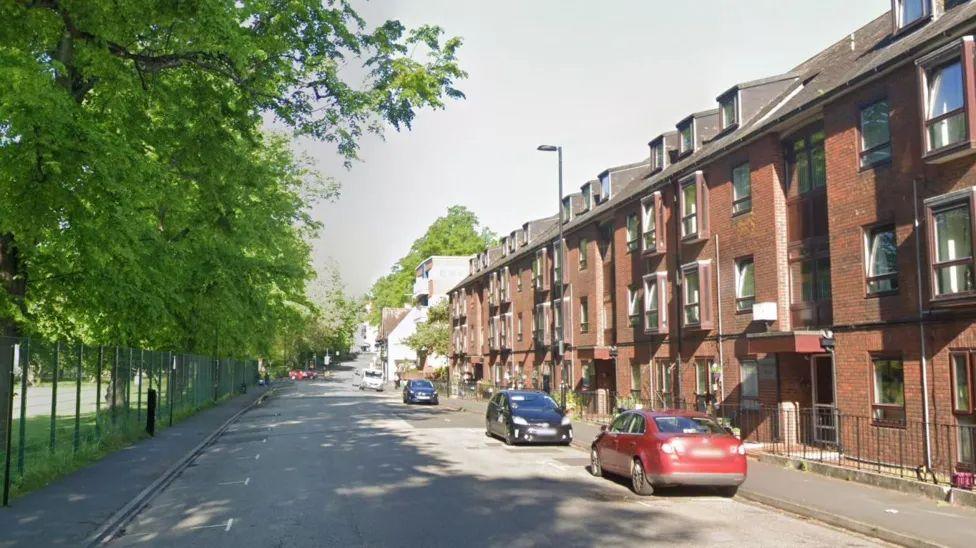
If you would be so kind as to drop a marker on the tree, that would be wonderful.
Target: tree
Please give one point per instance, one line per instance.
(141, 200)
(457, 233)
(432, 337)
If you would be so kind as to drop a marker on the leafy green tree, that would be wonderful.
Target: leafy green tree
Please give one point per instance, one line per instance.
(457, 233)
(141, 200)
(432, 337)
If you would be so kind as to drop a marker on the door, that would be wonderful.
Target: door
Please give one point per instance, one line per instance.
(493, 413)
(611, 456)
(824, 411)
(627, 443)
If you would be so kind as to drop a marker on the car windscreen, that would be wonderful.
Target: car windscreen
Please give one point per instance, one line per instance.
(421, 384)
(688, 425)
(375, 374)
(533, 401)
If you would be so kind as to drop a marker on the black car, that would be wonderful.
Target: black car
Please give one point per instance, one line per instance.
(419, 392)
(523, 416)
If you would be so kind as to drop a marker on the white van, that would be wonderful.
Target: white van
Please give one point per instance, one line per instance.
(372, 379)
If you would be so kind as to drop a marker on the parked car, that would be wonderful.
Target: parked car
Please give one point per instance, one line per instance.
(311, 374)
(669, 448)
(372, 379)
(296, 375)
(524, 416)
(419, 391)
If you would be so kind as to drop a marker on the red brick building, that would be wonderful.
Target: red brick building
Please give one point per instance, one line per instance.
(806, 245)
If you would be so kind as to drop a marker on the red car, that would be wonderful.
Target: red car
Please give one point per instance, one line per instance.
(669, 448)
(296, 375)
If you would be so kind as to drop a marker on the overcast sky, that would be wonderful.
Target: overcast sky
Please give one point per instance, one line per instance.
(601, 78)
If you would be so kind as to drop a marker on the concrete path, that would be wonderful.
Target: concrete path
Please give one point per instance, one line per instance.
(69, 510)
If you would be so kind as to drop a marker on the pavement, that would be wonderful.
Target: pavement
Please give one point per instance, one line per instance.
(896, 517)
(67, 511)
(325, 464)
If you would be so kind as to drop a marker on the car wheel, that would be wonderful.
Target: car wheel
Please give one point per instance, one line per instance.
(638, 479)
(595, 467)
(728, 491)
(488, 429)
(509, 438)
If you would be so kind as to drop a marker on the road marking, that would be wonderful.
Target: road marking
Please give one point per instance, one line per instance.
(642, 503)
(557, 466)
(226, 526)
(258, 456)
(230, 523)
(265, 440)
(245, 482)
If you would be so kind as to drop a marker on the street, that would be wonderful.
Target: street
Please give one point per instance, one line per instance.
(324, 464)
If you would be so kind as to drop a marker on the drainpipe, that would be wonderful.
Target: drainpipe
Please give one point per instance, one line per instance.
(921, 332)
(679, 283)
(718, 296)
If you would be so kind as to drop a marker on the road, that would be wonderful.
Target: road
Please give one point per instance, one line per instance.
(323, 464)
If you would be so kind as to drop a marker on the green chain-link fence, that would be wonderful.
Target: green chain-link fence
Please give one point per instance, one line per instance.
(65, 402)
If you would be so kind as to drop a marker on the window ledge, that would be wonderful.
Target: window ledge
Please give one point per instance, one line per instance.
(949, 152)
(954, 300)
(880, 294)
(693, 239)
(896, 424)
(736, 214)
(651, 252)
(744, 312)
(876, 165)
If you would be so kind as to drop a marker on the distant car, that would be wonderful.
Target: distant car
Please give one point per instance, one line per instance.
(523, 416)
(420, 391)
(372, 379)
(311, 374)
(296, 375)
(669, 448)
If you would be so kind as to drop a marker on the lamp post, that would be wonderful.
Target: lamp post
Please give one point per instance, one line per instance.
(562, 259)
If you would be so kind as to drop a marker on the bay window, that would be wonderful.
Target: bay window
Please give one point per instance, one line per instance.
(745, 284)
(875, 134)
(945, 79)
(741, 189)
(889, 391)
(881, 258)
(951, 253)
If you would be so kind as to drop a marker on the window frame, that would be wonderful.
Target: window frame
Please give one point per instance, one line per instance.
(732, 97)
(587, 201)
(658, 281)
(968, 356)
(519, 327)
(567, 209)
(740, 299)
(701, 232)
(583, 253)
(747, 199)
(707, 362)
(584, 303)
(634, 304)
(934, 206)
(743, 397)
(635, 366)
(869, 233)
(706, 320)
(898, 26)
(962, 51)
(634, 233)
(658, 151)
(884, 421)
(688, 124)
(652, 222)
(862, 150)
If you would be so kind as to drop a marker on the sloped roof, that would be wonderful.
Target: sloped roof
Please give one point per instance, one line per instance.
(391, 318)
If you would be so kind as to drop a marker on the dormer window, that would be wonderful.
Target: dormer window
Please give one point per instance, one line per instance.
(606, 190)
(907, 12)
(587, 198)
(567, 209)
(729, 111)
(686, 133)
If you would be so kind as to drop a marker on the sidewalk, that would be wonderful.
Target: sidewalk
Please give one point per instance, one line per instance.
(66, 512)
(889, 515)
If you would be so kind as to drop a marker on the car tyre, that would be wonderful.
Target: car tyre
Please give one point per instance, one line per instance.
(638, 479)
(728, 491)
(488, 429)
(509, 438)
(595, 467)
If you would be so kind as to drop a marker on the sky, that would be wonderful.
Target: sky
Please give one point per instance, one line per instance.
(600, 78)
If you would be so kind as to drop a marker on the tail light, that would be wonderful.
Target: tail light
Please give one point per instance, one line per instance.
(667, 449)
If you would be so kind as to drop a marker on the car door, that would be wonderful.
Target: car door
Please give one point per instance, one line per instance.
(492, 413)
(628, 442)
(504, 415)
(610, 456)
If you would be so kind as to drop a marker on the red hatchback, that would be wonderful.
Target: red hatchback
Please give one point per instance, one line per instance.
(669, 448)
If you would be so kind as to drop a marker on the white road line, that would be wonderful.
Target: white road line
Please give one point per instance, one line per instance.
(247, 481)
(256, 457)
(265, 440)
(557, 466)
(642, 503)
(230, 523)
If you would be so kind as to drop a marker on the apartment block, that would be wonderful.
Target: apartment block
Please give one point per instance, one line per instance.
(804, 243)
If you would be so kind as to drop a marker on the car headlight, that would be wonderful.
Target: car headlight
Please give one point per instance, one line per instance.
(520, 420)
(434, 393)
(567, 421)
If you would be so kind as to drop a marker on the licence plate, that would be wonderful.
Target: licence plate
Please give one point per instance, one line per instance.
(543, 431)
(707, 453)
(423, 396)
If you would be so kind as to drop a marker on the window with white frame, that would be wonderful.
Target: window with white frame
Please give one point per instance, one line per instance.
(633, 304)
(907, 12)
(889, 390)
(655, 316)
(689, 209)
(686, 138)
(945, 105)
(584, 315)
(633, 232)
(692, 297)
(649, 222)
(745, 284)
(728, 111)
(606, 187)
(657, 155)
(953, 253)
(741, 189)
(587, 197)
(881, 259)
(557, 262)
(703, 377)
(567, 209)
(583, 253)
(518, 328)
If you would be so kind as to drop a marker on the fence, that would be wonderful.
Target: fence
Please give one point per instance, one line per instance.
(64, 403)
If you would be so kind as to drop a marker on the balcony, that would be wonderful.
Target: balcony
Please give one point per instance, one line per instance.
(421, 287)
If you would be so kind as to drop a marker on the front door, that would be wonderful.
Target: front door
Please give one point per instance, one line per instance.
(824, 408)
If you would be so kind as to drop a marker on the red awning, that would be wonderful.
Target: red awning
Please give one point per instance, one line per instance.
(799, 342)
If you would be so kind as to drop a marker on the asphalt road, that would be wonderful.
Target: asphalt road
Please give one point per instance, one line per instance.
(323, 464)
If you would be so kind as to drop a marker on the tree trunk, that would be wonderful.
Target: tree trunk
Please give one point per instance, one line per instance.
(13, 281)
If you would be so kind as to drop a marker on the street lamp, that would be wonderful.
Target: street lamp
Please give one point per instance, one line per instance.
(562, 255)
